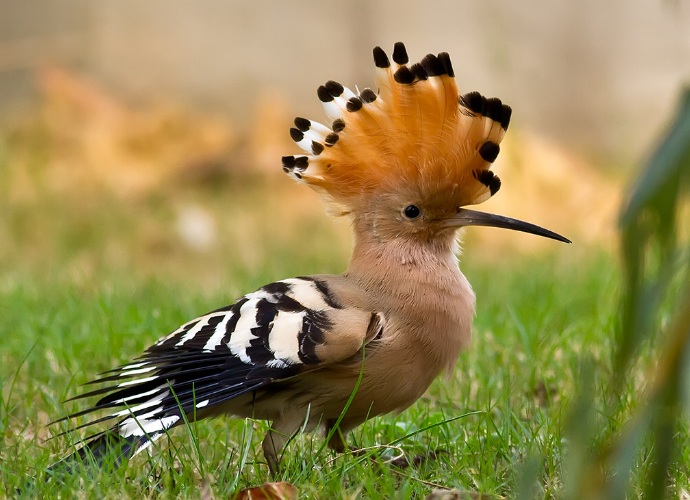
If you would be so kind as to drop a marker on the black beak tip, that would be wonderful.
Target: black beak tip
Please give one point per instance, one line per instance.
(554, 236)
(550, 234)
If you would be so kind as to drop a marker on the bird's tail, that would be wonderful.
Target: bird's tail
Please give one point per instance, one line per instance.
(104, 452)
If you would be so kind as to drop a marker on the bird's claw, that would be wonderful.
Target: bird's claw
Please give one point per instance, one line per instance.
(418, 460)
(402, 461)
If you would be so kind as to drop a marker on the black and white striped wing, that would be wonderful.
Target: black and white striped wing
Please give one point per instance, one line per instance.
(272, 334)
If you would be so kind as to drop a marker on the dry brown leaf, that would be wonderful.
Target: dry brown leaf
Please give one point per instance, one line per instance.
(268, 491)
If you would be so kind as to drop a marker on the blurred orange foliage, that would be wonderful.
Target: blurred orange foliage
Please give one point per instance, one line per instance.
(95, 141)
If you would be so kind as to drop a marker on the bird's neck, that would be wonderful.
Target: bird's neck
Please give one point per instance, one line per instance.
(422, 291)
(407, 269)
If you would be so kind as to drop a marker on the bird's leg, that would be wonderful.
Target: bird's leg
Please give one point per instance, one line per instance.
(337, 444)
(337, 441)
(278, 435)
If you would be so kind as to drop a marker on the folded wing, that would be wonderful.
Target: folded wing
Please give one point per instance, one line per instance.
(278, 332)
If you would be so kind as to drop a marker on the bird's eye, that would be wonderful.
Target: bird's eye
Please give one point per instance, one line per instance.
(412, 212)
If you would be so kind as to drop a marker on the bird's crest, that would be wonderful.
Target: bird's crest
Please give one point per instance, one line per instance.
(415, 129)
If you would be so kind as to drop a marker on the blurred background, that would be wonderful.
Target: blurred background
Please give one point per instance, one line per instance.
(141, 185)
(145, 136)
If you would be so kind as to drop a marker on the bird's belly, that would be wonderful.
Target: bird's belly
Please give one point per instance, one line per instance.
(396, 373)
(385, 387)
(396, 386)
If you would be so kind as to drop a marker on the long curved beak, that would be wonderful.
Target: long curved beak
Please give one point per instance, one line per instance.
(466, 217)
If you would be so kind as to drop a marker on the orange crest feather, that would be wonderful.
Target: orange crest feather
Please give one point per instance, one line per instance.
(416, 131)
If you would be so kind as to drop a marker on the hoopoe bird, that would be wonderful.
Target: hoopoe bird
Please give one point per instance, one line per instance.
(402, 162)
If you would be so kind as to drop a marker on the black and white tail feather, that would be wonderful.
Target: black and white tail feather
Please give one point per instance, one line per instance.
(269, 335)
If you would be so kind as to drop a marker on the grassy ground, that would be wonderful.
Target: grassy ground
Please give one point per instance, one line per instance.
(87, 281)
(535, 320)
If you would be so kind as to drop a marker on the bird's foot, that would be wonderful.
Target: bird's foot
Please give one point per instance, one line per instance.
(358, 452)
(403, 462)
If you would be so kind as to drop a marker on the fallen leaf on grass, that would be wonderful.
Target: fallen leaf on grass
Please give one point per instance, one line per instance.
(268, 491)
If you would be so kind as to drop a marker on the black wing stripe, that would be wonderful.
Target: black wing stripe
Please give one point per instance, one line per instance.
(181, 381)
(80, 414)
(154, 363)
(202, 327)
(132, 403)
(198, 397)
(192, 390)
(173, 373)
(222, 398)
(209, 337)
(259, 350)
(186, 366)
(112, 401)
(82, 426)
(180, 354)
(132, 390)
(150, 420)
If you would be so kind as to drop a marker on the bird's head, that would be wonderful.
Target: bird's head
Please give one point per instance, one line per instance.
(405, 159)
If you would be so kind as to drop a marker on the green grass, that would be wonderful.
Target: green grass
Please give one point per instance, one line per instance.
(536, 320)
(88, 281)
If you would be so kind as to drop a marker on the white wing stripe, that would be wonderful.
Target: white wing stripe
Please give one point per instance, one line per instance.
(135, 372)
(260, 294)
(283, 338)
(135, 365)
(145, 425)
(138, 381)
(141, 395)
(142, 406)
(179, 330)
(306, 293)
(202, 322)
(218, 333)
(240, 338)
